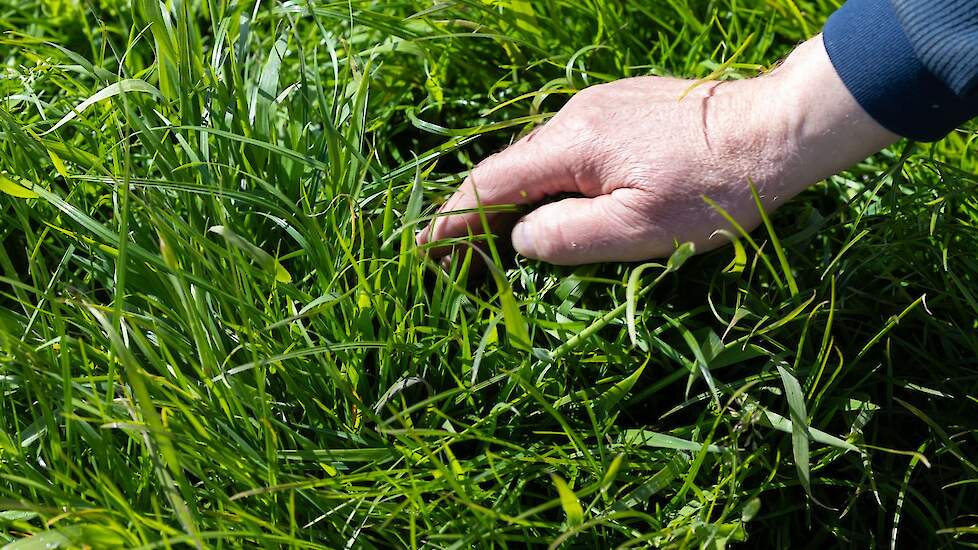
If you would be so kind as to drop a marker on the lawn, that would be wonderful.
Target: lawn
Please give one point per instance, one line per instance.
(216, 329)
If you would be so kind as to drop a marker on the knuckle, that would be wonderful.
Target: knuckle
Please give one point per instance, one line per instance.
(584, 118)
(580, 127)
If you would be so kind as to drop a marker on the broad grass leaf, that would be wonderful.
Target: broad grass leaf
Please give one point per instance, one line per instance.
(7, 444)
(568, 501)
(282, 275)
(799, 427)
(59, 164)
(612, 472)
(268, 82)
(33, 433)
(683, 252)
(164, 41)
(74, 154)
(17, 515)
(782, 424)
(73, 536)
(263, 98)
(677, 464)
(123, 86)
(415, 200)
(323, 302)
(521, 15)
(616, 393)
(648, 438)
(166, 251)
(516, 329)
(15, 189)
(750, 509)
(43, 540)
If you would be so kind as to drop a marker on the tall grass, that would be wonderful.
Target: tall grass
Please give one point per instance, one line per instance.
(216, 330)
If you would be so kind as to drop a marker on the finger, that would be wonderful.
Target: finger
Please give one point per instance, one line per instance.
(589, 230)
(525, 173)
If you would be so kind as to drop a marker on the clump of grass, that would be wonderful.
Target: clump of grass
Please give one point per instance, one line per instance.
(215, 329)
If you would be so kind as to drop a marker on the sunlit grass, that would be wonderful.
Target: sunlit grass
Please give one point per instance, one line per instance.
(216, 329)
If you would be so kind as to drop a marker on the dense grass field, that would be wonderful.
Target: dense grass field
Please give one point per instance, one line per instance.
(216, 329)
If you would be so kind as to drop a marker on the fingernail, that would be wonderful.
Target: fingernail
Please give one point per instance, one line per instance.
(524, 240)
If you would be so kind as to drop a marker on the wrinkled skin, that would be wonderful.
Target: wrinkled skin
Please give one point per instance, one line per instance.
(642, 153)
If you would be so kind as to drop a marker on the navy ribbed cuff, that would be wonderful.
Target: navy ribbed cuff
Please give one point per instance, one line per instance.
(876, 61)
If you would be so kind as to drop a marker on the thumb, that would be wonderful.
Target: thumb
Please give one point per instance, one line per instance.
(524, 173)
(589, 230)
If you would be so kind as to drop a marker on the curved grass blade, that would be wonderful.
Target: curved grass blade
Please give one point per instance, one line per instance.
(676, 261)
(121, 87)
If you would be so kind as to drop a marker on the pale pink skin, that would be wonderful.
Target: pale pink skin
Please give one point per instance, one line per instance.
(644, 159)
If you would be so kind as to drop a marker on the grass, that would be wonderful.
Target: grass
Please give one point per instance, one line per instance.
(216, 331)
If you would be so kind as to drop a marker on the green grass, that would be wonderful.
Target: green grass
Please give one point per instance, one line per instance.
(216, 330)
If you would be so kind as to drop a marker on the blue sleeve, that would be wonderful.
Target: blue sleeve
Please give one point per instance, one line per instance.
(911, 64)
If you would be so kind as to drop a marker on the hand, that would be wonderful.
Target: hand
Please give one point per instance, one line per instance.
(642, 156)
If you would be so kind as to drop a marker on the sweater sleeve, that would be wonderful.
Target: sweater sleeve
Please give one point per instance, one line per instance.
(911, 64)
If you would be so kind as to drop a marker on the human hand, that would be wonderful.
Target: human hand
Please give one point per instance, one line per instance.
(642, 160)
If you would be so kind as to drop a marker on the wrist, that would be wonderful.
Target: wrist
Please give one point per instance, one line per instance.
(825, 129)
